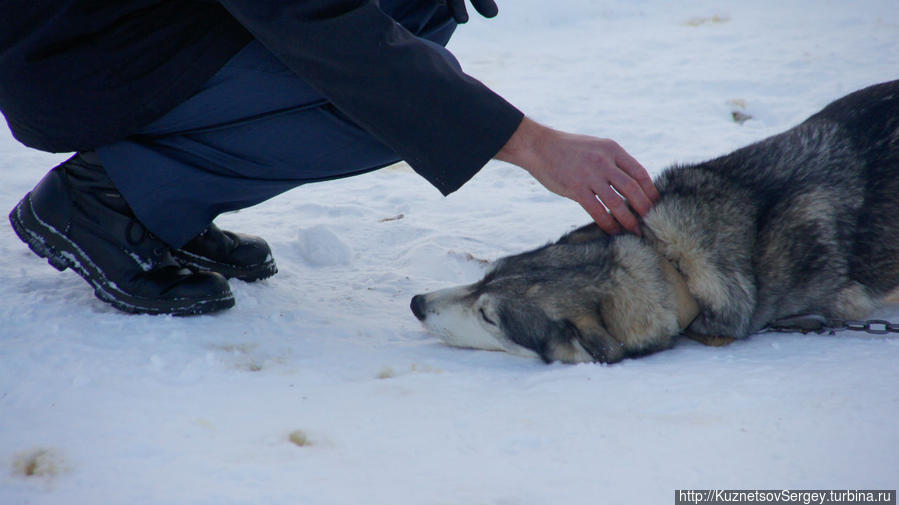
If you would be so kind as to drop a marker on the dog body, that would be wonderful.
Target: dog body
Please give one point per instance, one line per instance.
(803, 222)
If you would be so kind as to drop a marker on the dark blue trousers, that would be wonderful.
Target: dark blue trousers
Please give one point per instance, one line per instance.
(254, 131)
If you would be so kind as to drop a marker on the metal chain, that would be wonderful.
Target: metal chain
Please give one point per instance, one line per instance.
(873, 326)
(813, 323)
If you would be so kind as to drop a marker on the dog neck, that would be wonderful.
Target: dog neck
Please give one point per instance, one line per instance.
(687, 308)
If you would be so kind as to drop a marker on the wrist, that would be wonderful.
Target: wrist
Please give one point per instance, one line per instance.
(524, 146)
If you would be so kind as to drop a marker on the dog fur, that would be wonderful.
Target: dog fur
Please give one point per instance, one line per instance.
(804, 222)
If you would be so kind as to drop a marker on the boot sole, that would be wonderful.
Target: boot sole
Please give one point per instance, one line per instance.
(247, 274)
(61, 253)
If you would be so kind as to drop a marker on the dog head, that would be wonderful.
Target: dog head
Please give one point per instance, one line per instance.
(588, 297)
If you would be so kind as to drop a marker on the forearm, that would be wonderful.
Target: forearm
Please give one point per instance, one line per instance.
(407, 92)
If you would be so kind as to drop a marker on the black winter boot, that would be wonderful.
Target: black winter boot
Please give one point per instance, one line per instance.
(243, 257)
(76, 218)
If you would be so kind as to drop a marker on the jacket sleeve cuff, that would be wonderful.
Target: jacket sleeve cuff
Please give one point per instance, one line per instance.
(449, 172)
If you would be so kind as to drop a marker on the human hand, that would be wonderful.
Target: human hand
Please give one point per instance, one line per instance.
(594, 172)
(486, 8)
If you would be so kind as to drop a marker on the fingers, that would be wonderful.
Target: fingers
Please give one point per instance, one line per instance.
(620, 213)
(634, 193)
(457, 8)
(621, 193)
(486, 8)
(598, 212)
(630, 180)
(639, 174)
(618, 207)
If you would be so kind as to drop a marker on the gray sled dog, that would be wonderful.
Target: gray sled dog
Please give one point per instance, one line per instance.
(804, 222)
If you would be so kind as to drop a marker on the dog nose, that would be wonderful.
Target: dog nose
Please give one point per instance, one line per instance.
(418, 307)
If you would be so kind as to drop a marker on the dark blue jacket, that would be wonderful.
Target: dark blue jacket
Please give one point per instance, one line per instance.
(78, 74)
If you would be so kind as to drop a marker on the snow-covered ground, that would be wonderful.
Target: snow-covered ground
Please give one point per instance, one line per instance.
(103, 407)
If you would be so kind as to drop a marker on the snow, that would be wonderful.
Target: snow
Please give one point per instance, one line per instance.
(97, 406)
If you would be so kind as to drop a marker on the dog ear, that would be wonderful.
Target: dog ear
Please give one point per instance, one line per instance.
(555, 339)
(616, 331)
(637, 313)
(588, 333)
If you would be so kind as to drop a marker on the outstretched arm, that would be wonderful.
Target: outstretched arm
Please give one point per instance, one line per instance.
(594, 172)
(407, 92)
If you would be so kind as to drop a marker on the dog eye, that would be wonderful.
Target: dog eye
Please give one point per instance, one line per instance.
(485, 318)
